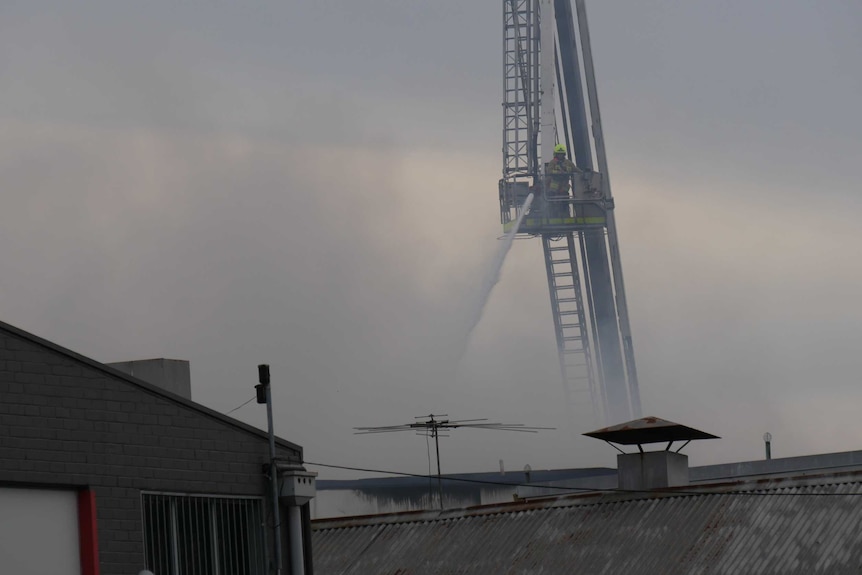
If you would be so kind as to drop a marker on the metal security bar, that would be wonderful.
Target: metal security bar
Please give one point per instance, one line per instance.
(203, 534)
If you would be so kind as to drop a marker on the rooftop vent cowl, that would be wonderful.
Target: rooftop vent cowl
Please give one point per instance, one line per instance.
(647, 470)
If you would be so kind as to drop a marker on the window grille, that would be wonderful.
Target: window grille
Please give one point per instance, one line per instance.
(203, 535)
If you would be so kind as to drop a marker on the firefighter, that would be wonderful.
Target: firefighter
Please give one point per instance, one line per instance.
(559, 173)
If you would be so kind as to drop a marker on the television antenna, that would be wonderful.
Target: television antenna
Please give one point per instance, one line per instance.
(430, 426)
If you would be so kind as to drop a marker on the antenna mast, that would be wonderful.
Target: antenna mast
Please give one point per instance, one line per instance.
(430, 426)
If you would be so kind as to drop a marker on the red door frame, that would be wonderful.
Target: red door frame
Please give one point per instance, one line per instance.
(88, 537)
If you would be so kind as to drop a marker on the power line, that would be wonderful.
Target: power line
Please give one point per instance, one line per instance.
(587, 489)
(445, 478)
(239, 406)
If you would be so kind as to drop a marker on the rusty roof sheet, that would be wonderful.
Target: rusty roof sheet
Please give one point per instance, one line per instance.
(809, 525)
(649, 430)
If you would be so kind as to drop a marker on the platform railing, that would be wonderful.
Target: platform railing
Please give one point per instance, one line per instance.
(551, 213)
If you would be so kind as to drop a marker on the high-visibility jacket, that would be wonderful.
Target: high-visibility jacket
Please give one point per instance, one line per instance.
(559, 172)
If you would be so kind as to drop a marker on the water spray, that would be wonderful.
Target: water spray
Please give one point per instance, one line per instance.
(492, 278)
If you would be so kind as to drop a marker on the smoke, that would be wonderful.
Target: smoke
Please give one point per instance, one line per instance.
(225, 186)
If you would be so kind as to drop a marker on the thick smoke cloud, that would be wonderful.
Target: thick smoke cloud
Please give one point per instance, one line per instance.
(315, 187)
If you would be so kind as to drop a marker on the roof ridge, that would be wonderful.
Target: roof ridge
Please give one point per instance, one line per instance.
(143, 385)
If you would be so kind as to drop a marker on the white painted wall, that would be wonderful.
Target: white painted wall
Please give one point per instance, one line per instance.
(39, 532)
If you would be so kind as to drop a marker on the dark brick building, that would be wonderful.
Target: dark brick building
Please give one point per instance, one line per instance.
(158, 480)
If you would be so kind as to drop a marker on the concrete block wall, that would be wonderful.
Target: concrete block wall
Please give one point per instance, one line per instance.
(66, 422)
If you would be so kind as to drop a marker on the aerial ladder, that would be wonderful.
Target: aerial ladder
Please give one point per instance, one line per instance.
(549, 97)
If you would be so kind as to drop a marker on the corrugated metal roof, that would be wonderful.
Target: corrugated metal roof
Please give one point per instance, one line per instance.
(810, 525)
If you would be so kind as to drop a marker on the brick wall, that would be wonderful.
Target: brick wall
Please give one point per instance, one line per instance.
(66, 421)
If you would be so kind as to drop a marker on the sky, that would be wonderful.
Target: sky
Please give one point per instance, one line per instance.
(313, 185)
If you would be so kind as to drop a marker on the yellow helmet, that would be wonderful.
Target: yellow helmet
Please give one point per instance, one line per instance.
(559, 149)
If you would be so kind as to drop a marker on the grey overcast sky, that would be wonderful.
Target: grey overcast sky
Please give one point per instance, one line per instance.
(313, 185)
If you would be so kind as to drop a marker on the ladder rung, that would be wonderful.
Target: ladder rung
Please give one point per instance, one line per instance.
(573, 312)
(567, 300)
(565, 287)
(573, 338)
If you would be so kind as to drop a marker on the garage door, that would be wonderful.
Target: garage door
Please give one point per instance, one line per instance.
(39, 532)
